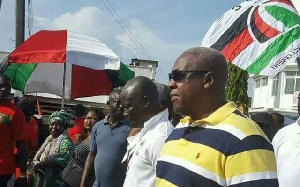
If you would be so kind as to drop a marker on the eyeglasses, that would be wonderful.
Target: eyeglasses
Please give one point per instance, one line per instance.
(177, 75)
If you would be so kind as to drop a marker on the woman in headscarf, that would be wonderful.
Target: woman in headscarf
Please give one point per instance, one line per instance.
(55, 152)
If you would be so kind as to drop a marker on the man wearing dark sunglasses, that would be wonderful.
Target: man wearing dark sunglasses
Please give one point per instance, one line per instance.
(215, 144)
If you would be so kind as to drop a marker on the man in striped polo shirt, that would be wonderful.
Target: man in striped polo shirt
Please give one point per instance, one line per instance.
(215, 145)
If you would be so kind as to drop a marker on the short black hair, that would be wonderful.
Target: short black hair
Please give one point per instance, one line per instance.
(78, 110)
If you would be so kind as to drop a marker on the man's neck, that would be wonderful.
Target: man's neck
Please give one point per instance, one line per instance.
(114, 119)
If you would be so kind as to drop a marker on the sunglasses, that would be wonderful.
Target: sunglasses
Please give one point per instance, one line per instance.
(177, 75)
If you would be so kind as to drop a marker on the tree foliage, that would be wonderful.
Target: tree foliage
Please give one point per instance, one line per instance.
(237, 86)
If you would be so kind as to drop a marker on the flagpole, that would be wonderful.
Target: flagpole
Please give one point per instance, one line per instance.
(64, 87)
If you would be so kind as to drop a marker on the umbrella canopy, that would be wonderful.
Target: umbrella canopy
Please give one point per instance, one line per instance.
(65, 64)
(259, 36)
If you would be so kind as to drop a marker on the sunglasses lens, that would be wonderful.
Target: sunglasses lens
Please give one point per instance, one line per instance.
(176, 76)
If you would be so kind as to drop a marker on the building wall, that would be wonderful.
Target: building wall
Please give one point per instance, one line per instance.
(263, 97)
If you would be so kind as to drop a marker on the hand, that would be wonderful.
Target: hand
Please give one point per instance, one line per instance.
(21, 182)
(38, 166)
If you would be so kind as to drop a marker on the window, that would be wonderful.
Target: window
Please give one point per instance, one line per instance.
(275, 85)
(257, 83)
(292, 82)
(264, 81)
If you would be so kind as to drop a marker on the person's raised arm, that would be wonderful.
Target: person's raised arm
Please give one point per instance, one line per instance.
(88, 170)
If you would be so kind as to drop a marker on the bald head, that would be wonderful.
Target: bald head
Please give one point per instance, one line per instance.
(141, 86)
(140, 101)
(208, 59)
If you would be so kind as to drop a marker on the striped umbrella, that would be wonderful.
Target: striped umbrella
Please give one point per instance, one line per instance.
(65, 64)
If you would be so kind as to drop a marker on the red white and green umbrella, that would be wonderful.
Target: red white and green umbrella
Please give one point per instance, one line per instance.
(65, 64)
(259, 36)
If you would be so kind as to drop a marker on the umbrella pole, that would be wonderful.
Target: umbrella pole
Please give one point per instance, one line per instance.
(64, 87)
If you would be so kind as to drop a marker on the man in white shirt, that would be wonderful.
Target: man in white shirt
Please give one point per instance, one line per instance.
(286, 145)
(142, 108)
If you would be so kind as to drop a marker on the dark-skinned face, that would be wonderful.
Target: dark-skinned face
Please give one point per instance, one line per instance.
(56, 128)
(186, 93)
(5, 88)
(115, 105)
(90, 119)
(133, 109)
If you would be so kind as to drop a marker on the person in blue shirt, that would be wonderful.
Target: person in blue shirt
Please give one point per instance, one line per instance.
(107, 148)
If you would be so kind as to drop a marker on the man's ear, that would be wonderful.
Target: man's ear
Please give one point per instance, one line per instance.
(146, 101)
(208, 80)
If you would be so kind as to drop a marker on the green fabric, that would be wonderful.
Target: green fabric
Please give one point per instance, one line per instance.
(287, 17)
(280, 44)
(62, 116)
(126, 73)
(62, 158)
(19, 74)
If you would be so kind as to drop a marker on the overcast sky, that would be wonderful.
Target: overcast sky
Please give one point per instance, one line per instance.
(165, 28)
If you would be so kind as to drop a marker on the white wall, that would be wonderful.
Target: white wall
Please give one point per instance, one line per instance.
(296, 4)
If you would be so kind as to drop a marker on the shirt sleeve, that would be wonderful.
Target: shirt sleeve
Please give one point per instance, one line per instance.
(18, 125)
(155, 149)
(93, 144)
(65, 152)
(251, 163)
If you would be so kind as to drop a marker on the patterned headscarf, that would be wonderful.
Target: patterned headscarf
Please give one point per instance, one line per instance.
(62, 116)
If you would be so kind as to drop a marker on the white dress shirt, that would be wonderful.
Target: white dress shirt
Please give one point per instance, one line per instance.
(144, 149)
(286, 145)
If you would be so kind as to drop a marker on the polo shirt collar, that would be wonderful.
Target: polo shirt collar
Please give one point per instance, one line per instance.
(106, 122)
(162, 116)
(215, 118)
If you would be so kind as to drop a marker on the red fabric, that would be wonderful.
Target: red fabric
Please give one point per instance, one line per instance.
(234, 48)
(284, 1)
(12, 128)
(32, 131)
(265, 28)
(44, 46)
(77, 129)
(95, 82)
(40, 112)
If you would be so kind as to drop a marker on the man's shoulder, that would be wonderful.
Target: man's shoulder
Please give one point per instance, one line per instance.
(163, 128)
(286, 131)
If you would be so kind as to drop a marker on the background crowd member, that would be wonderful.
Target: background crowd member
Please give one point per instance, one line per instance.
(286, 145)
(265, 122)
(278, 122)
(108, 146)
(12, 129)
(78, 111)
(142, 107)
(56, 151)
(215, 144)
(82, 148)
(32, 127)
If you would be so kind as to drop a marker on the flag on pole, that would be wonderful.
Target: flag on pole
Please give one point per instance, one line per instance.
(39, 109)
(259, 36)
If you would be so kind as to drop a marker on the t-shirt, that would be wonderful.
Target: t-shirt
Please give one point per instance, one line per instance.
(109, 144)
(32, 131)
(12, 128)
(286, 144)
(77, 129)
(224, 149)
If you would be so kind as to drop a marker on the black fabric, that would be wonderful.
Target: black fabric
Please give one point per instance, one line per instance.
(4, 179)
(263, 118)
(72, 174)
(114, 76)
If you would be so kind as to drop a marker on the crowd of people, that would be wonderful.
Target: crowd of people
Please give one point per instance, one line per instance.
(185, 134)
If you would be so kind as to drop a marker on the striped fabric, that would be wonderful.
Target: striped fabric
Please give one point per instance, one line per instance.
(224, 149)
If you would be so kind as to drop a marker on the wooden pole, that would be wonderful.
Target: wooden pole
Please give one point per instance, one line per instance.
(20, 22)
